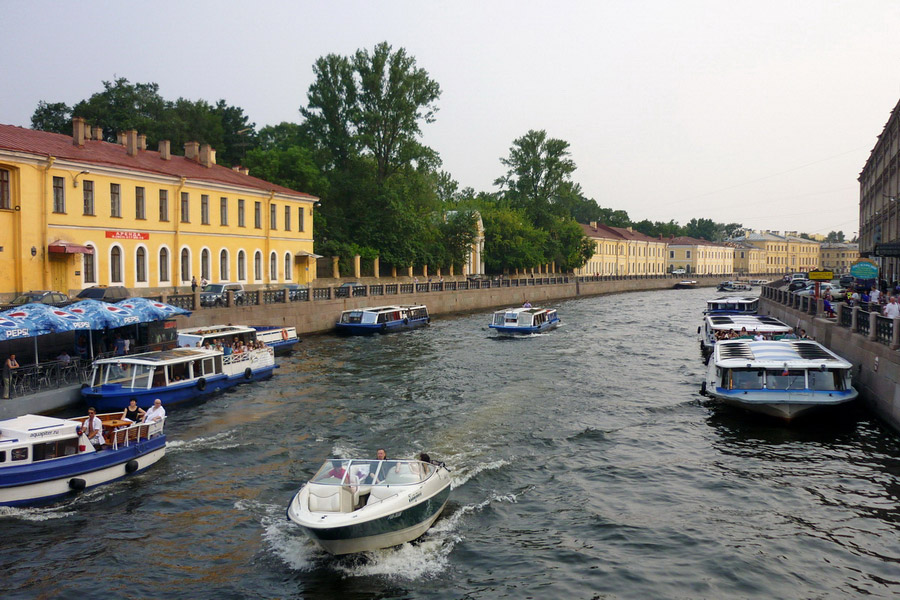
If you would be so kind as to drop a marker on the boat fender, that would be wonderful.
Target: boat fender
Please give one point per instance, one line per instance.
(201, 384)
(131, 466)
(406, 321)
(248, 374)
(703, 389)
(284, 334)
(77, 484)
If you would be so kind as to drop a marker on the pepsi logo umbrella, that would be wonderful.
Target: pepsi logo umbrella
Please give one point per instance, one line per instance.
(13, 328)
(151, 310)
(47, 319)
(103, 314)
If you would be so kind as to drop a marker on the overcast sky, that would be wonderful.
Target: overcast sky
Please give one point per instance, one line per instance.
(758, 112)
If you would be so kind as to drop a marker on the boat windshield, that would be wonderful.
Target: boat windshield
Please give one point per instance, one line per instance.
(372, 472)
(793, 379)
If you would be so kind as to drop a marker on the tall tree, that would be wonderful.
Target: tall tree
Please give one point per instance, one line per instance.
(55, 117)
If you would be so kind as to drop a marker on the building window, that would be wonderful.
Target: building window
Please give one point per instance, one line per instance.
(223, 211)
(273, 217)
(140, 211)
(273, 267)
(288, 272)
(185, 265)
(87, 264)
(204, 264)
(163, 264)
(257, 215)
(185, 208)
(300, 222)
(140, 265)
(5, 200)
(240, 213)
(204, 209)
(287, 218)
(688, 254)
(87, 188)
(163, 205)
(115, 265)
(257, 266)
(115, 200)
(242, 266)
(223, 265)
(59, 195)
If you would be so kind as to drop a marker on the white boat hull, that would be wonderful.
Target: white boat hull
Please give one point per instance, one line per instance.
(788, 407)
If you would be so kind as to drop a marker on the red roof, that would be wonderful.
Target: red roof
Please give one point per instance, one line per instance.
(616, 233)
(114, 155)
(690, 241)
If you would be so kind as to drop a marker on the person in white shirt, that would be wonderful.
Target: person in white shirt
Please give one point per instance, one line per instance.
(892, 309)
(875, 296)
(155, 412)
(94, 428)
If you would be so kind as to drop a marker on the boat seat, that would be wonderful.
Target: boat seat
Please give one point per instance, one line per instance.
(331, 498)
(380, 492)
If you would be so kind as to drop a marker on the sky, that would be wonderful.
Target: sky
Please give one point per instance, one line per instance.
(761, 113)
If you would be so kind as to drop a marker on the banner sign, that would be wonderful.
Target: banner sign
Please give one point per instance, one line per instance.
(864, 269)
(128, 235)
(821, 275)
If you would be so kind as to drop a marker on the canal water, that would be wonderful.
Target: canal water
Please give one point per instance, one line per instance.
(585, 465)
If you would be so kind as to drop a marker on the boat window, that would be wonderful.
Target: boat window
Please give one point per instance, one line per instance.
(382, 318)
(178, 372)
(352, 317)
(333, 471)
(49, 450)
(498, 319)
(826, 381)
(209, 366)
(744, 379)
(19, 454)
(793, 379)
(159, 377)
(142, 375)
(402, 471)
(2, 456)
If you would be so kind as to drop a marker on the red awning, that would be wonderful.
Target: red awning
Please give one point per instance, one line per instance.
(69, 248)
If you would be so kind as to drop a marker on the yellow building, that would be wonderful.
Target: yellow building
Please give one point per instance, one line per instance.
(784, 253)
(749, 259)
(838, 256)
(77, 212)
(700, 257)
(623, 251)
(803, 254)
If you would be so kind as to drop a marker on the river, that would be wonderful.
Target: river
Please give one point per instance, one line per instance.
(584, 462)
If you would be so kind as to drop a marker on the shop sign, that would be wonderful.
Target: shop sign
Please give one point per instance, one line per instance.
(127, 235)
(864, 269)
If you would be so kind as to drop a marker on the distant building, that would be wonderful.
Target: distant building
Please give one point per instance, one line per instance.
(78, 211)
(748, 259)
(623, 251)
(838, 256)
(700, 257)
(787, 253)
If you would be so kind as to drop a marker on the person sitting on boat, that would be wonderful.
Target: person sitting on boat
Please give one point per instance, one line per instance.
(94, 428)
(337, 470)
(757, 336)
(155, 412)
(790, 335)
(133, 412)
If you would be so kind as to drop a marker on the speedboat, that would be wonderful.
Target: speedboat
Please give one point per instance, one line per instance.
(733, 286)
(732, 305)
(782, 378)
(687, 284)
(173, 376)
(382, 319)
(281, 339)
(716, 325)
(45, 458)
(364, 505)
(524, 321)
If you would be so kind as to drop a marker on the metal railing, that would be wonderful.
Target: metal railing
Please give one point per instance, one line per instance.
(884, 329)
(862, 322)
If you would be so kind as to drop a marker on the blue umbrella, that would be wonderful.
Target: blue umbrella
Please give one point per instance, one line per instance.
(55, 320)
(14, 328)
(103, 315)
(151, 310)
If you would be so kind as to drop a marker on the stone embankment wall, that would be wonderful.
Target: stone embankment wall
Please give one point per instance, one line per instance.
(876, 372)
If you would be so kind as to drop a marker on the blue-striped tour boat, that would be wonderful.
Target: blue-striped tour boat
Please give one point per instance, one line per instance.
(382, 319)
(524, 321)
(43, 459)
(363, 505)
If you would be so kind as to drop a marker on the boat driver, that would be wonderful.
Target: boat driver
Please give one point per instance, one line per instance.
(94, 428)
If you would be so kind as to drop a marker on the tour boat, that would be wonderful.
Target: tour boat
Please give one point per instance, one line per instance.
(382, 319)
(281, 339)
(43, 459)
(173, 376)
(687, 284)
(782, 378)
(765, 325)
(733, 286)
(524, 321)
(732, 305)
(364, 505)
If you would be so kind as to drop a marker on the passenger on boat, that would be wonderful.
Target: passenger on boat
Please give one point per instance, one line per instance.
(757, 336)
(133, 412)
(94, 428)
(803, 335)
(790, 335)
(337, 470)
(155, 412)
(527, 304)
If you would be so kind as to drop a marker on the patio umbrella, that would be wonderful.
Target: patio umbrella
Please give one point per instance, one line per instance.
(151, 309)
(102, 315)
(41, 319)
(15, 328)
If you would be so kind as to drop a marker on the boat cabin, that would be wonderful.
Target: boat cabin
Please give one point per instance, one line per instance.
(197, 337)
(157, 369)
(735, 305)
(343, 485)
(523, 317)
(33, 438)
(378, 315)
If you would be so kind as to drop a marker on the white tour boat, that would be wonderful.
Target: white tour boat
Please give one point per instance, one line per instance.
(363, 505)
(524, 321)
(43, 459)
(782, 378)
(382, 319)
(733, 305)
(741, 325)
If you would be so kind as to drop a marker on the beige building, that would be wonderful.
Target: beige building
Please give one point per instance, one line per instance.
(700, 257)
(787, 253)
(623, 251)
(748, 259)
(838, 256)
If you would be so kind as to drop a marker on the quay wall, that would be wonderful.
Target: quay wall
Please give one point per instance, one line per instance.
(876, 366)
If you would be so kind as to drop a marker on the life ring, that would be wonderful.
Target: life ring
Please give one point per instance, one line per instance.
(248, 373)
(77, 484)
(201, 384)
(131, 466)
(284, 334)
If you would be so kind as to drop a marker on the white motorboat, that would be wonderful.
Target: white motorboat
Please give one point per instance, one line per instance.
(363, 505)
(782, 378)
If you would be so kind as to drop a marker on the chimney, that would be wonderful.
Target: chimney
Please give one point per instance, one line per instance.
(78, 131)
(630, 229)
(87, 133)
(98, 133)
(236, 168)
(120, 138)
(207, 156)
(164, 152)
(594, 224)
(131, 143)
(142, 142)
(245, 171)
(192, 150)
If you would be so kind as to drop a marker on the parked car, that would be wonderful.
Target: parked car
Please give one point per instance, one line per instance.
(48, 297)
(345, 290)
(295, 291)
(846, 280)
(679, 272)
(215, 294)
(111, 293)
(797, 285)
(838, 293)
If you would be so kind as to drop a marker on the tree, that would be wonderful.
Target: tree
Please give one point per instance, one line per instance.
(122, 106)
(835, 237)
(55, 117)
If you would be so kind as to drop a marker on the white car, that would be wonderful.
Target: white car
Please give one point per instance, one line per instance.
(679, 272)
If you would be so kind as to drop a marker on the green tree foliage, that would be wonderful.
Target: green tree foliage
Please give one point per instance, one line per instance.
(835, 237)
(55, 117)
(511, 241)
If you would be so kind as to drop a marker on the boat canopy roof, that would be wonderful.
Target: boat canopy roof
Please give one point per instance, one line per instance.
(734, 299)
(760, 323)
(160, 357)
(380, 309)
(532, 310)
(343, 471)
(35, 427)
(791, 354)
(196, 334)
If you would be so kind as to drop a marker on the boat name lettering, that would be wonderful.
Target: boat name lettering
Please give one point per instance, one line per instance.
(416, 496)
(38, 434)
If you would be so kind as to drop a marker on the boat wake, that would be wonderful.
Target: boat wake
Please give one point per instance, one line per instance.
(35, 514)
(219, 441)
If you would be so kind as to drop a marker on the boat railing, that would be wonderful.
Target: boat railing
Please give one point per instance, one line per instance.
(252, 356)
(132, 434)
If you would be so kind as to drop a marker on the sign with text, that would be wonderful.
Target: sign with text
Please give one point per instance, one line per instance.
(821, 275)
(864, 269)
(128, 235)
